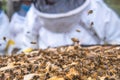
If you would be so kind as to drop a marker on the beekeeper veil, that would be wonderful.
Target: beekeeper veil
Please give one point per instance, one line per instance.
(59, 15)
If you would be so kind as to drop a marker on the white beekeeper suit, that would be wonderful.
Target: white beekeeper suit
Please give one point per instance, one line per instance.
(17, 26)
(97, 24)
(4, 31)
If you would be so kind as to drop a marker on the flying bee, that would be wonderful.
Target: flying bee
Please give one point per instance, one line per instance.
(28, 32)
(91, 24)
(33, 42)
(4, 38)
(90, 12)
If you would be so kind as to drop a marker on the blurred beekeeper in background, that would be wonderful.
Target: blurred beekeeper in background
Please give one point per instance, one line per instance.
(4, 31)
(17, 23)
(52, 23)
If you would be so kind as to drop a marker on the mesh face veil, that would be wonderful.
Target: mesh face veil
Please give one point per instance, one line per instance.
(57, 6)
(60, 15)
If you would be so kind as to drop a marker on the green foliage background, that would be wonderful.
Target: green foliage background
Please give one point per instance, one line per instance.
(114, 4)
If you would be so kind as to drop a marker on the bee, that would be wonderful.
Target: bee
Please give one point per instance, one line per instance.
(76, 77)
(47, 76)
(29, 68)
(36, 68)
(92, 23)
(78, 30)
(112, 79)
(75, 40)
(90, 12)
(4, 38)
(2, 76)
(106, 78)
(28, 32)
(36, 77)
(33, 43)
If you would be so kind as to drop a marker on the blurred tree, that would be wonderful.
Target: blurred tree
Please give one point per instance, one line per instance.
(114, 4)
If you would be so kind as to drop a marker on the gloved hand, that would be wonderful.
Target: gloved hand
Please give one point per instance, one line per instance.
(11, 46)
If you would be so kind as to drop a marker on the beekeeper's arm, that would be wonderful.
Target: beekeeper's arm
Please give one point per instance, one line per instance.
(112, 28)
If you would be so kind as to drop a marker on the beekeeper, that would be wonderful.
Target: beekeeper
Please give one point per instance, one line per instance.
(17, 23)
(52, 23)
(4, 21)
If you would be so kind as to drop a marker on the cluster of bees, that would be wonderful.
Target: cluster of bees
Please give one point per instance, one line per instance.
(63, 63)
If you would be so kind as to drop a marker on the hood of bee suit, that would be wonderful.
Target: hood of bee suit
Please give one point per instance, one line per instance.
(62, 16)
